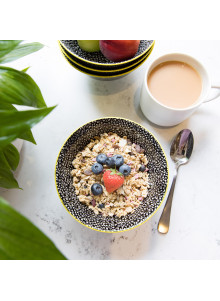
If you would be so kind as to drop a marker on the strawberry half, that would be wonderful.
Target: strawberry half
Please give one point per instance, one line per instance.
(112, 180)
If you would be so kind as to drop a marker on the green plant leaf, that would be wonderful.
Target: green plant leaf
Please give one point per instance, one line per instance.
(7, 179)
(19, 51)
(17, 87)
(3, 256)
(11, 155)
(14, 123)
(6, 106)
(21, 240)
(25, 69)
(9, 159)
(6, 46)
(3, 161)
(26, 135)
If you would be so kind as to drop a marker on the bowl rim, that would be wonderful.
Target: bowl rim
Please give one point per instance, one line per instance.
(109, 64)
(151, 215)
(105, 71)
(110, 76)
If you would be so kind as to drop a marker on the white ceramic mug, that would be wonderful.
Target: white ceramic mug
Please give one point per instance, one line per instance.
(163, 115)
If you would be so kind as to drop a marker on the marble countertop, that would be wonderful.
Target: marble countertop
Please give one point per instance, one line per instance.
(195, 220)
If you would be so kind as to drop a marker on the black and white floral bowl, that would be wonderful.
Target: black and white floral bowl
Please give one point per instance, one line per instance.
(97, 61)
(158, 174)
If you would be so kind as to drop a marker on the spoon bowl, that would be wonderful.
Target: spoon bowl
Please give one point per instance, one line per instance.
(182, 147)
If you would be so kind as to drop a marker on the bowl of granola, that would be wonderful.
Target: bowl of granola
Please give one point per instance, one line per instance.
(111, 174)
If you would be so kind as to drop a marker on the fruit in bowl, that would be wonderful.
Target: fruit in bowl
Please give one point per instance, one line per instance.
(89, 45)
(113, 50)
(119, 50)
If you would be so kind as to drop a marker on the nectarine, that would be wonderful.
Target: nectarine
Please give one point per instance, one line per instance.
(119, 50)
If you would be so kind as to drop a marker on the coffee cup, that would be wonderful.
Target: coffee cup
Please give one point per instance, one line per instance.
(165, 115)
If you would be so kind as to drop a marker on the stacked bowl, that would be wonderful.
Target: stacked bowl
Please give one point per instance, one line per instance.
(96, 65)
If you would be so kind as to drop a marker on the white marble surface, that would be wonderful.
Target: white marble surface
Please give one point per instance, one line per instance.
(195, 220)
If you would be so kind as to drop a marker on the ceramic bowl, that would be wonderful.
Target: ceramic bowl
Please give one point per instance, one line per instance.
(105, 72)
(97, 61)
(106, 75)
(158, 174)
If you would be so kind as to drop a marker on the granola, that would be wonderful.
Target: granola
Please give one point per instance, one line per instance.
(135, 187)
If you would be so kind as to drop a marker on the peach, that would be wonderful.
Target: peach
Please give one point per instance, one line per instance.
(119, 50)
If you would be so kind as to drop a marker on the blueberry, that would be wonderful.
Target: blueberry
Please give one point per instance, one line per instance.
(101, 158)
(119, 160)
(96, 189)
(142, 168)
(110, 162)
(101, 206)
(125, 169)
(97, 168)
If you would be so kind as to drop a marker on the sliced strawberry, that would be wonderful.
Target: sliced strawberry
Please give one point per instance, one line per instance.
(112, 180)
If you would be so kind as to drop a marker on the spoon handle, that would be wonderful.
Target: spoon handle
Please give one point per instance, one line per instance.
(164, 222)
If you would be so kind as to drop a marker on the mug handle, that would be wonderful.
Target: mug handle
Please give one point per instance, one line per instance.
(217, 86)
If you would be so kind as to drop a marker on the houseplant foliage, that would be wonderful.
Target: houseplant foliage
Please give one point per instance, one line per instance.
(16, 88)
(19, 238)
